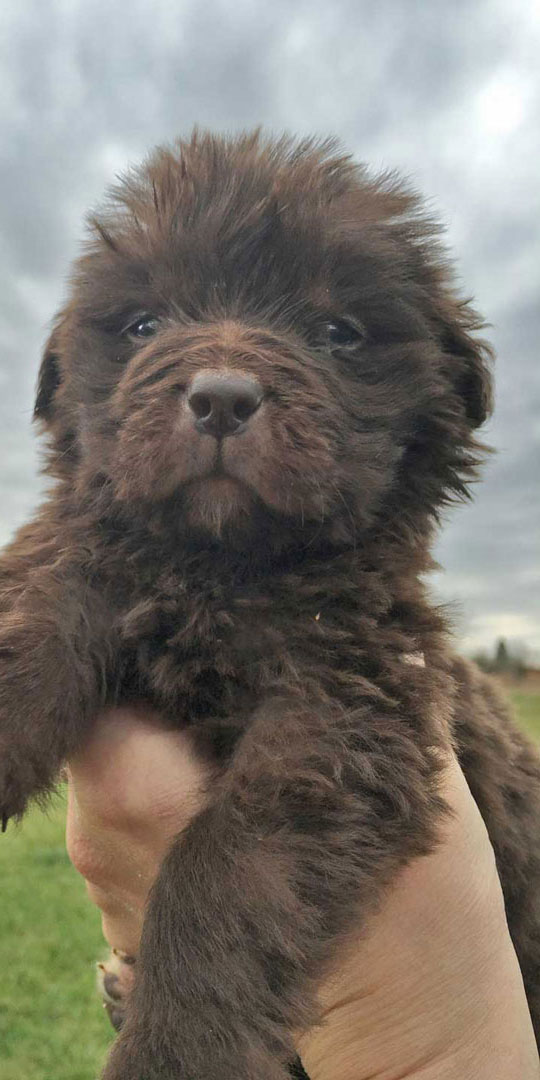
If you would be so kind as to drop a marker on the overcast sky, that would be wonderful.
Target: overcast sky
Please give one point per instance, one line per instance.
(449, 93)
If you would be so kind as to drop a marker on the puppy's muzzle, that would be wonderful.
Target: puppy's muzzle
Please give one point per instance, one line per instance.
(223, 403)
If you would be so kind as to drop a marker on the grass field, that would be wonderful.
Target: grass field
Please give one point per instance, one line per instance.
(527, 706)
(51, 1024)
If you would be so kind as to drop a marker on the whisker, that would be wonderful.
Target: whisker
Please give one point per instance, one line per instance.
(318, 531)
(341, 496)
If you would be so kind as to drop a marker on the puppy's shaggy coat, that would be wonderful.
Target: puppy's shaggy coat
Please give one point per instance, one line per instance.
(258, 397)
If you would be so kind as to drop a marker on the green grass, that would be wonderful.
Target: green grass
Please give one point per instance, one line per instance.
(527, 707)
(51, 1024)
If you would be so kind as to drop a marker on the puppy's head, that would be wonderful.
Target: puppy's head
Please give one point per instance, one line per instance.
(258, 330)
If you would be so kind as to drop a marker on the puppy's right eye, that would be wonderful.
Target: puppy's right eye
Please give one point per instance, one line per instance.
(144, 326)
(341, 334)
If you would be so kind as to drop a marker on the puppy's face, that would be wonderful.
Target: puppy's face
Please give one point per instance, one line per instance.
(259, 331)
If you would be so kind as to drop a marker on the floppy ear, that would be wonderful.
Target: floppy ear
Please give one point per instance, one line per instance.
(467, 358)
(469, 366)
(49, 379)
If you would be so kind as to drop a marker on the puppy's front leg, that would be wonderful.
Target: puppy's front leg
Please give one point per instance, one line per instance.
(50, 678)
(317, 812)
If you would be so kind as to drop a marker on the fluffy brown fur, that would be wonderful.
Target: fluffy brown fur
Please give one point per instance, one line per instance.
(262, 587)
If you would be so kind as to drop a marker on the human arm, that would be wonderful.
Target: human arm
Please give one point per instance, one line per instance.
(429, 988)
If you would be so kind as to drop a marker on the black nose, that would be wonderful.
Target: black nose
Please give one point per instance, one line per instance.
(223, 402)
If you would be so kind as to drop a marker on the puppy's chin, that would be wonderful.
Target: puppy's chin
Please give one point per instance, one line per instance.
(218, 503)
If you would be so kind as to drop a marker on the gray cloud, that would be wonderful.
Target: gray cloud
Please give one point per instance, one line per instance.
(449, 94)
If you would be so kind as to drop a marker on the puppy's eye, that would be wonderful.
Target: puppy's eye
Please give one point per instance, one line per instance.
(144, 326)
(341, 334)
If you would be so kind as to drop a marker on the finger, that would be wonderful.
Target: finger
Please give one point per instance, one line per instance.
(135, 773)
(133, 789)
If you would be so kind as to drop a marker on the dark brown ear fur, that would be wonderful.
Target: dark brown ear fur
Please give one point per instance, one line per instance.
(468, 358)
(469, 366)
(455, 322)
(49, 380)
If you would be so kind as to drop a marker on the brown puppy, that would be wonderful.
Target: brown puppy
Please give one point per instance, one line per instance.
(258, 397)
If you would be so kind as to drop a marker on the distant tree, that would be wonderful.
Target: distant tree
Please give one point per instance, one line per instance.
(503, 661)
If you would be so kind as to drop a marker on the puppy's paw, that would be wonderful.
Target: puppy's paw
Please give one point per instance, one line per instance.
(115, 978)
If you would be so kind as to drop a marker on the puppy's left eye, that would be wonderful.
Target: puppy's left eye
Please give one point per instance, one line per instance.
(341, 334)
(144, 326)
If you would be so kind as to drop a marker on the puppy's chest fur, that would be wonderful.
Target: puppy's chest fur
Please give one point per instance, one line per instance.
(208, 643)
(188, 646)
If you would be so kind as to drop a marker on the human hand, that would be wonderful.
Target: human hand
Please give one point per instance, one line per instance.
(431, 989)
(131, 791)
